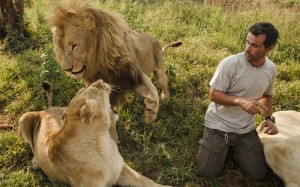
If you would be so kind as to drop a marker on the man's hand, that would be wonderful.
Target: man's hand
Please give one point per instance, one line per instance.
(270, 127)
(251, 105)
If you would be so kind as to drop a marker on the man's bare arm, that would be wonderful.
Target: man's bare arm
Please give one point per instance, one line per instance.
(250, 105)
(267, 100)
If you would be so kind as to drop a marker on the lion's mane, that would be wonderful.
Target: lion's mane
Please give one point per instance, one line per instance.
(111, 55)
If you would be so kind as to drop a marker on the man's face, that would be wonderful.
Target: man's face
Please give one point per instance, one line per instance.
(255, 49)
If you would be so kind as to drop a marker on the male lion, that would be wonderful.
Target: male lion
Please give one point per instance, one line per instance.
(66, 147)
(93, 43)
(282, 151)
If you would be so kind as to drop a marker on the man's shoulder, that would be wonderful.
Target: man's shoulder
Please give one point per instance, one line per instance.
(270, 66)
(233, 59)
(269, 62)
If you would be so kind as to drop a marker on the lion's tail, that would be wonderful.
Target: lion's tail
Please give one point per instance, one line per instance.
(48, 92)
(174, 44)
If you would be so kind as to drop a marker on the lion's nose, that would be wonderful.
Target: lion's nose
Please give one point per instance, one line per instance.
(97, 84)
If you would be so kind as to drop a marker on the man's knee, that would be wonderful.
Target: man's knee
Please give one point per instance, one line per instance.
(204, 169)
(210, 159)
(259, 174)
(251, 158)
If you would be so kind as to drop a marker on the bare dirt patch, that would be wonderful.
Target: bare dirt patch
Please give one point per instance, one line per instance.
(7, 122)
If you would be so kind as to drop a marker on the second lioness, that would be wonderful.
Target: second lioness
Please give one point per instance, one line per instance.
(66, 147)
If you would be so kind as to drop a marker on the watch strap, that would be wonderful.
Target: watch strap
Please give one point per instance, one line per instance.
(272, 118)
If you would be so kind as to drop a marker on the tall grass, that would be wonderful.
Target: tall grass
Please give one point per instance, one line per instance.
(165, 150)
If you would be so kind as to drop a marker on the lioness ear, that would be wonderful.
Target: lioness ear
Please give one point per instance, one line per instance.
(27, 126)
(87, 111)
(89, 22)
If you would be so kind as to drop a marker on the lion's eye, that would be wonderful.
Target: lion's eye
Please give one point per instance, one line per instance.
(74, 46)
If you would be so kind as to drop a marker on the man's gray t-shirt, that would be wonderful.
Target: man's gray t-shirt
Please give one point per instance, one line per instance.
(236, 76)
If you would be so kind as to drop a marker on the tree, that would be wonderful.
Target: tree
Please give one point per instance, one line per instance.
(11, 14)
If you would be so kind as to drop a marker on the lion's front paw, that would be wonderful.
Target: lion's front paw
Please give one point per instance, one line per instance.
(151, 110)
(150, 116)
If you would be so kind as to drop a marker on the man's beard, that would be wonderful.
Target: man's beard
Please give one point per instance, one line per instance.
(249, 57)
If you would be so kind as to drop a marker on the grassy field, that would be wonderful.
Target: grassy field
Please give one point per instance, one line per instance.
(165, 150)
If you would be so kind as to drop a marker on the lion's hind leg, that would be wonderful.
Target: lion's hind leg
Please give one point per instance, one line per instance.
(35, 164)
(160, 75)
(163, 81)
(130, 177)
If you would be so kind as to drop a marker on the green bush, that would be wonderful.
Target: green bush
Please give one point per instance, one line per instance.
(16, 41)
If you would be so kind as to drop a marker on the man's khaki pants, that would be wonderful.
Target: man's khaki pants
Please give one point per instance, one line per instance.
(247, 147)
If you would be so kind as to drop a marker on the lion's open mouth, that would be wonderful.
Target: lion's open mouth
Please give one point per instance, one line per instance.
(80, 71)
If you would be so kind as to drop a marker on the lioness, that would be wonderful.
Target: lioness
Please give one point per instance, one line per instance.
(93, 43)
(73, 144)
(282, 151)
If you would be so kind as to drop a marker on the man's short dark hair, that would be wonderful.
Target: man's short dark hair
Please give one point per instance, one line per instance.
(265, 28)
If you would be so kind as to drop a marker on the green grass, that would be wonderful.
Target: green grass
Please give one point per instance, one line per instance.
(165, 150)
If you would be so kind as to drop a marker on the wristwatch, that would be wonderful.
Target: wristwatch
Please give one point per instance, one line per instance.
(272, 118)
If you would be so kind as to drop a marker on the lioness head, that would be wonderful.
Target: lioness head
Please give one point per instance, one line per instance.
(90, 103)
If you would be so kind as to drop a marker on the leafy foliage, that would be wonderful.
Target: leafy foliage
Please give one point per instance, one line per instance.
(16, 41)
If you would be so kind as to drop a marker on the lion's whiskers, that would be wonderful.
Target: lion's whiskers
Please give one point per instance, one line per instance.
(115, 88)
